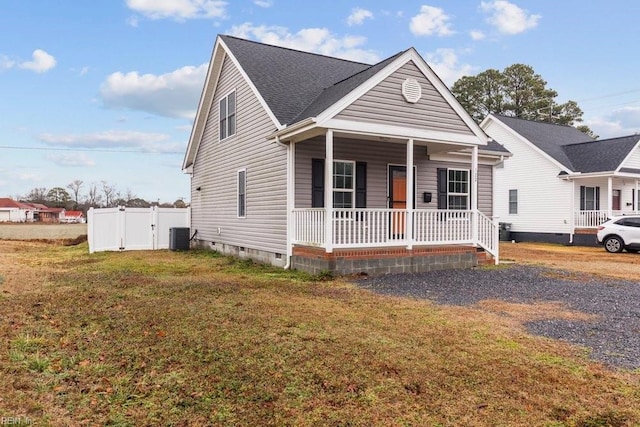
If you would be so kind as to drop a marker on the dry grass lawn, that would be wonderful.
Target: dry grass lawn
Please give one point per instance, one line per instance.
(168, 338)
(585, 260)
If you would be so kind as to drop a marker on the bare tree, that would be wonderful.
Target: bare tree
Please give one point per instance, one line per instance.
(37, 195)
(94, 198)
(75, 186)
(110, 194)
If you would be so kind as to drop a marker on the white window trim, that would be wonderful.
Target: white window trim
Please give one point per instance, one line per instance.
(344, 190)
(509, 201)
(235, 113)
(467, 194)
(238, 172)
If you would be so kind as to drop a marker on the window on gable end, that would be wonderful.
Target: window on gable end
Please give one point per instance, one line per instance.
(228, 116)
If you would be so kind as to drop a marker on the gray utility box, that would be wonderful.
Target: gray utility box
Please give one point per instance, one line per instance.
(505, 231)
(179, 238)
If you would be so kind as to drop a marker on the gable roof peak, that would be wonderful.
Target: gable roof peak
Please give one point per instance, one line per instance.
(227, 37)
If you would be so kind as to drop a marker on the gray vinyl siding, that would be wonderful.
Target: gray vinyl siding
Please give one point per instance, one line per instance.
(215, 171)
(378, 155)
(385, 104)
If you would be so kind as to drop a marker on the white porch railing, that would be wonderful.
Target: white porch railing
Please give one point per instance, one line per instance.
(363, 228)
(590, 219)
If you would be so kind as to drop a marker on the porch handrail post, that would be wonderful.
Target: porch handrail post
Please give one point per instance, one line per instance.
(328, 192)
(496, 238)
(474, 195)
(609, 197)
(409, 190)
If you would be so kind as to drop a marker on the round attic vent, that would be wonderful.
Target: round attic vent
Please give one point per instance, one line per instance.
(411, 90)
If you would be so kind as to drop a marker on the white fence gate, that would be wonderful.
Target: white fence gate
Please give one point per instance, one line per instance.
(130, 229)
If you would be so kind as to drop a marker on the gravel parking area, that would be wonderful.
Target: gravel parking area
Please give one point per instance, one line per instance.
(612, 336)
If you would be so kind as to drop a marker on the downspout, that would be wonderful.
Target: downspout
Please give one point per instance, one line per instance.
(572, 206)
(289, 148)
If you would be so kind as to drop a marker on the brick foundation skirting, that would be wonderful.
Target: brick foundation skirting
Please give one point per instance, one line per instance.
(377, 261)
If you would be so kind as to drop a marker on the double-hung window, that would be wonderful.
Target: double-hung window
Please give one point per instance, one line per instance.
(343, 184)
(513, 202)
(458, 189)
(228, 116)
(590, 199)
(242, 193)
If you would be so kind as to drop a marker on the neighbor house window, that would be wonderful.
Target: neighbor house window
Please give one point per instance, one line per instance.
(458, 189)
(242, 193)
(228, 116)
(513, 201)
(343, 184)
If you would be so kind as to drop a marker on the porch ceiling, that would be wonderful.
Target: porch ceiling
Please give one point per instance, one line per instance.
(433, 147)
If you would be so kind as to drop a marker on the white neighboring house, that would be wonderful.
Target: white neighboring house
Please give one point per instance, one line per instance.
(560, 184)
(13, 211)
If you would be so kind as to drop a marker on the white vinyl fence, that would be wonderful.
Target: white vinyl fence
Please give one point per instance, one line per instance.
(130, 229)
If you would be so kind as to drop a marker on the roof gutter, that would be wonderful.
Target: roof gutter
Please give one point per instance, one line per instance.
(289, 131)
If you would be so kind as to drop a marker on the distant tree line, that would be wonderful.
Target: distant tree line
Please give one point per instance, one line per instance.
(95, 195)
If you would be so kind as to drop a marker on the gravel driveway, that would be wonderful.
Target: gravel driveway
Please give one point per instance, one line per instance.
(613, 337)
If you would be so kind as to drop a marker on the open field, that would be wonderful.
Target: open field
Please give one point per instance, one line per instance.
(191, 338)
(39, 231)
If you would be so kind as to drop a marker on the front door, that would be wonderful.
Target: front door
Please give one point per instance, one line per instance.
(615, 200)
(397, 198)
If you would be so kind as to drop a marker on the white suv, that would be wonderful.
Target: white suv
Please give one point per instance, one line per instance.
(620, 232)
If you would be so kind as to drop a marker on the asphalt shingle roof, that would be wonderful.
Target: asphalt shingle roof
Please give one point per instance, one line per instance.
(572, 148)
(602, 155)
(549, 137)
(289, 80)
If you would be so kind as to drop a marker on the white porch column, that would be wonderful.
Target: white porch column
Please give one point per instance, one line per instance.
(609, 197)
(328, 192)
(474, 194)
(410, 207)
(636, 196)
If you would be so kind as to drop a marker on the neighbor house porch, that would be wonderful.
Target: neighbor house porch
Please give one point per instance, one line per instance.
(595, 199)
(371, 215)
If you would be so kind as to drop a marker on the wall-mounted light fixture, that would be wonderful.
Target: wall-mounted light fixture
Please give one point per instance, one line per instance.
(198, 188)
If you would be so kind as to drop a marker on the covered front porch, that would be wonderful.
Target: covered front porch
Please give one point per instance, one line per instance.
(372, 209)
(597, 198)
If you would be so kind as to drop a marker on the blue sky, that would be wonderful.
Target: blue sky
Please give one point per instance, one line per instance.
(107, 90)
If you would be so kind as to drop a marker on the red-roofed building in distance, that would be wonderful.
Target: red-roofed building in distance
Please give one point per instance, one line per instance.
(13, 211)
(75, 217)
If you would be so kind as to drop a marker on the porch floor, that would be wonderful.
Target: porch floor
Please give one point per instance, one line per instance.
(388, 260)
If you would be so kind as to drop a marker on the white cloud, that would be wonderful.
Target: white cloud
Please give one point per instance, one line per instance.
(509, 18)
(431, 20)
(263, 3)
(445, 64)
(476, 34)
(318, 40)
(179, 10)
(111, 139)
(173, 94)
(133, 21)
(71, 160)
(40, 63)
(358, 16)
(6, 63)
(620, 122)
